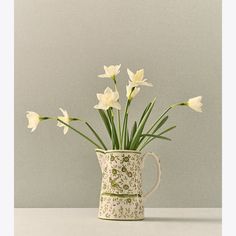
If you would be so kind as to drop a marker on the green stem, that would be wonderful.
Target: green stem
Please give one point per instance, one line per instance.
(118, 116)
(125, 121)
(112, 132)
(115, 142)
(75, 119)
(119, 127)
(46, 118)
(83, 135)
(55, 118)
(125, 131)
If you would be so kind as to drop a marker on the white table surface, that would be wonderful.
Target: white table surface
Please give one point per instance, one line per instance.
(84, 222)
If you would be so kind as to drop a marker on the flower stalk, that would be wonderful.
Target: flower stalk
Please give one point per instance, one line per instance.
(118, 114)
(125, 121)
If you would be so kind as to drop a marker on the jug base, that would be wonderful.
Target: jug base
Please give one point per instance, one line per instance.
(121, 208)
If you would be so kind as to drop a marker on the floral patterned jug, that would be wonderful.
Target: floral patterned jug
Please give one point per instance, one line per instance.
(121, 196)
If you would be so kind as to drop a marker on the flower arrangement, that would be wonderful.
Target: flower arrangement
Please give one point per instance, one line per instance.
(109, 108)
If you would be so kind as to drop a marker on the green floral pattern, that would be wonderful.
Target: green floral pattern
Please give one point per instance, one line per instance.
(121, 195)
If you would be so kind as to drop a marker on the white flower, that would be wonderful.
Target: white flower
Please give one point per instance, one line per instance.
(111, 71)
(65, 119)
(33, 119)
(195, 103)
(108, 99)
(137, 79)
(131, 91)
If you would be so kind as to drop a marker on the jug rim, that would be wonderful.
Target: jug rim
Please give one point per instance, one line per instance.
(116, 150)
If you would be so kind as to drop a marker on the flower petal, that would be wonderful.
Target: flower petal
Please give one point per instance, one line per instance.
(59, 124)
(65, 119)
(135, 92)
(101, 106)
(65, 130)
(99, 96)
(116, 105)
(106, 69)
(139, 75)
(116, 95)
(118, 68)
(64, 112)
(195, 103)
(147, 84)
(104, 76)
(130, 73)
(33, 120)
(107, 90)
(107, 99)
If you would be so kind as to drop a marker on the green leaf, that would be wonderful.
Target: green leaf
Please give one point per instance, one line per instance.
(119, 127)
(156, 136)
(96, 135)
(127, 139)
(163, 137)
(135, 141)
(157, 121)
(167, 130)
(133, 131)
(115, 141)
(163, 121)
(80, 133)
(105, 121)
(125, 123)
(125, 130)
(114, 134)
(144, 112)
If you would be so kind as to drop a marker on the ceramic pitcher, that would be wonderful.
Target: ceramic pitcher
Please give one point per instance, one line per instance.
(121, 196)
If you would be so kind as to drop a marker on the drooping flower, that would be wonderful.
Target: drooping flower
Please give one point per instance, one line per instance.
(65, 118)
(131, 91)
(108, 99)
(33, 120)
(111, 71)
(137, 79)
(195, 103)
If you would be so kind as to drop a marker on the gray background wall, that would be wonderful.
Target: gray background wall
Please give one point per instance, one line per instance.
(61, 47)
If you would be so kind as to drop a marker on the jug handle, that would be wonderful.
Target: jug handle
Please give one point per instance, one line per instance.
(158, 173)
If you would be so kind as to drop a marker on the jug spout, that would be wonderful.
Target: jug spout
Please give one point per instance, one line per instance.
(101, 154)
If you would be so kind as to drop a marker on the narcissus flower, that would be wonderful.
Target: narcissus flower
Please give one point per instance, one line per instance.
(110, 71)
(65, 118)
(131, 91)
(195, 103)
(137, 79)
(108, 99)
(33, 119)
